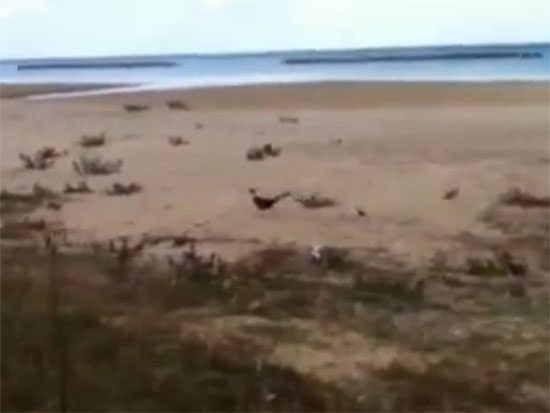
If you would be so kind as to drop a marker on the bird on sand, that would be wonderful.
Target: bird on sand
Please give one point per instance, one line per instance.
(451, 193)
(263, 203)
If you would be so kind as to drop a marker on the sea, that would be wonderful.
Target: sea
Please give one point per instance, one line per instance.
(462, 63)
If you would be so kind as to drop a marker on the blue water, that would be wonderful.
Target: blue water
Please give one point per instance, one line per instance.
(446, 63)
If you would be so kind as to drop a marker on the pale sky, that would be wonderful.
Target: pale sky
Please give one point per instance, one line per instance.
(45, 28)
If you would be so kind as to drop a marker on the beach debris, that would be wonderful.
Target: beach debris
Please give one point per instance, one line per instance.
(257, 153)
(96, 166)
(263, 203)
(133, 107)
(336, 141)
(199, 125)
(80, 188)
(360, 212)
(118, 189)
(523, 199)
(288, 119)
(90, 141)
(451, 193)
(177, 141)
(177, 105)
(314, 200)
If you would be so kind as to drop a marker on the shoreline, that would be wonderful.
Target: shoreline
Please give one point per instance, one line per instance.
(334, 94)
(14, 90)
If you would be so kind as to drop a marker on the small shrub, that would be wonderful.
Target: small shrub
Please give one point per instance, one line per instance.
(177, 105)
(50, 152)
(258, 153)
(484, 267)
(118, 189)
(36, 161)
(270, 150)
(90, 141)
(255, 154)
(80, 188)
(177, 141)
(96, 166)
(135, 107)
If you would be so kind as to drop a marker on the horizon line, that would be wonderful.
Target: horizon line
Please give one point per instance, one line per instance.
(280, 51)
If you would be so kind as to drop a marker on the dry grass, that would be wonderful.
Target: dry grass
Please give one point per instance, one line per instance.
(95, 165)
(177, 141)
(91, 141)
(118, 189)
(255, 154)
(258, 153)
(177, 105)
(130, 107)
(35, 161)
(129, 338)
(41, 159)
(81, 188)
(137, 367)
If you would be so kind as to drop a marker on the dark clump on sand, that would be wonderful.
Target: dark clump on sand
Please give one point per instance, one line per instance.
(524, 199)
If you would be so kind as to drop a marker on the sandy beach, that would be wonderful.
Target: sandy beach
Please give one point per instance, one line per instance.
(436, 298)
(389, 149)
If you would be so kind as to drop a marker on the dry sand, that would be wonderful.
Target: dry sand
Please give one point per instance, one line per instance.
(403, 146)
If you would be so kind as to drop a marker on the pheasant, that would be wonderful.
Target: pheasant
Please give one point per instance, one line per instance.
(263, 203)
(451, 193)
